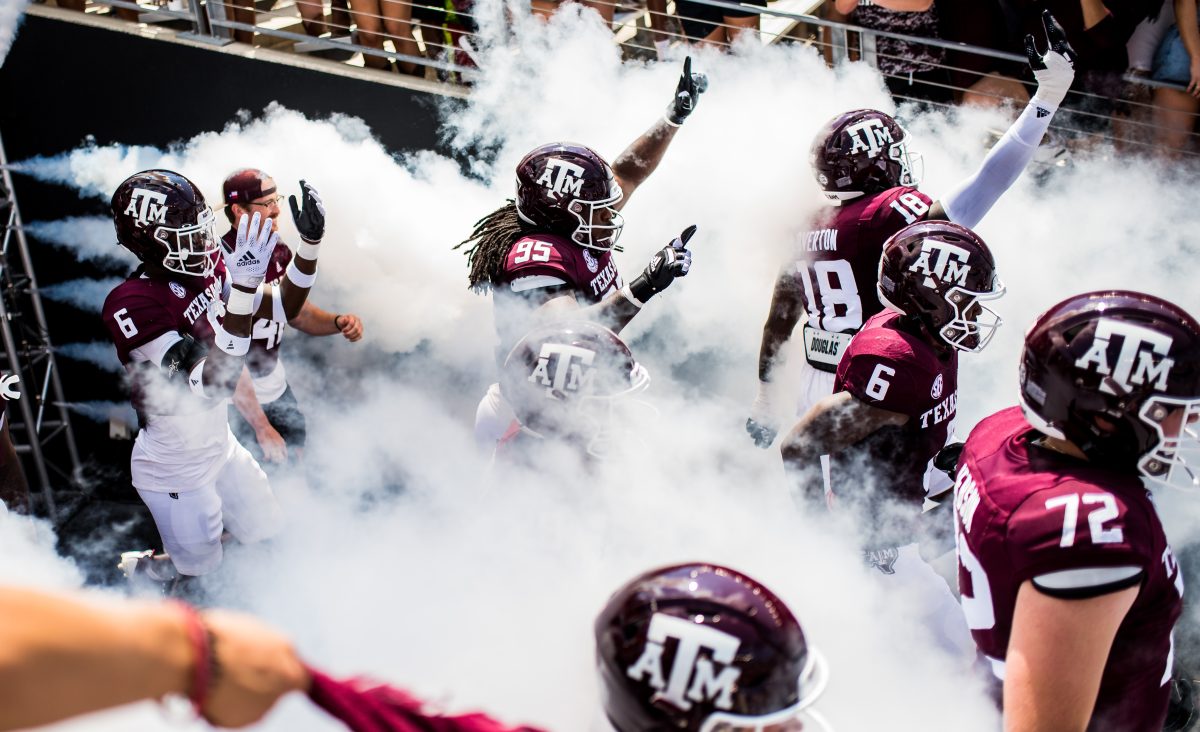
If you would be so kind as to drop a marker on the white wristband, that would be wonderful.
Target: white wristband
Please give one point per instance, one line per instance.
(240, 302)
(298, 278)
(277, 313)
(228, 342)
(629, 296)
(307, 251)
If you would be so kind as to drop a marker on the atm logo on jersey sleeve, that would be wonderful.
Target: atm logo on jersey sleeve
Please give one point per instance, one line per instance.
(1140, 359)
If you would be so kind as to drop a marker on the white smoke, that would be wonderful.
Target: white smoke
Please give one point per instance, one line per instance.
(90, 238)
(85, 293)
(10, 20)
(479, 589)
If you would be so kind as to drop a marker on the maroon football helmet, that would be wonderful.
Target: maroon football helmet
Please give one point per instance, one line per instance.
(941, 273)
(571, 191)
(162, 218)
(1118, 374)
(564, 379)
(704, 648)
(863, 151)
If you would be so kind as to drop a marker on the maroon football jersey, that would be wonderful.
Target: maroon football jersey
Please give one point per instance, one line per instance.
(838, 261)
(266, 334)
(143, 308)
(590, 274)
(891, 368)
(1024, 512)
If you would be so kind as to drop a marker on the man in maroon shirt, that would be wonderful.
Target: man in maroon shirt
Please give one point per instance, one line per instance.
(268, 419)
(870, 447)
(1068, 584)
(862, 163)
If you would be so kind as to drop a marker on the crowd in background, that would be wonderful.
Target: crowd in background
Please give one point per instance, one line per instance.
(1120, 43)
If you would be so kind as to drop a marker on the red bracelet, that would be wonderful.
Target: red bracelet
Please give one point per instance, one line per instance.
(202, 666)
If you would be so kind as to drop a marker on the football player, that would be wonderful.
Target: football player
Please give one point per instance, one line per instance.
(862, 163)
(181, 325)
(870, 447)
(563, 382)
(268, 418)
(704, 648)
(549, 252)
(1068, 583)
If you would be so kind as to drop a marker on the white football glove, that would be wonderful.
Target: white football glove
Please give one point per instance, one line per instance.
(247, 263)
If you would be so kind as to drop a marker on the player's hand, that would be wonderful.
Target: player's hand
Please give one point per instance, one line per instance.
(687, 94)
(310, 220)
(350, 326)
(256, 666)
(272, 444)
(670, 262)
(947, 459)
(1054, 70)
(762, 425)
(247, 263)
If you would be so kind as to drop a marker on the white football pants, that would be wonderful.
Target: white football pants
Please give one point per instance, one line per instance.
(191, 522)
(493, 417)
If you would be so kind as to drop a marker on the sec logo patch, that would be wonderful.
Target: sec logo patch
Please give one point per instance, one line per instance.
(178, 290)
(936, 391)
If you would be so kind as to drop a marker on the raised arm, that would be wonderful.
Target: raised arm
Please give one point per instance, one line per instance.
(633, 166)
(283, 302)
(971, 199)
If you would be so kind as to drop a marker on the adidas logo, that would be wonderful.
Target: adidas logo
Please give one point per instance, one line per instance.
(247, 259)
(1042, 112)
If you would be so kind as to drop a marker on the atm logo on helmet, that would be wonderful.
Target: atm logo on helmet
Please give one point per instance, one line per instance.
(562, 368)
(1136, 363)
(871, 135)
(691, 679)
(942, 261)
(561, 177)
(147, 207)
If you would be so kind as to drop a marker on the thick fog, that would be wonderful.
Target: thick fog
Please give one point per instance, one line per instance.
(407, 559)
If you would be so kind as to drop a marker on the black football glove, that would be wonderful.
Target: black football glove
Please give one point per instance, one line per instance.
(1054, 70)
(673, 260)
(947, 459)
(687, 94)
(762, 434)
(310, 221)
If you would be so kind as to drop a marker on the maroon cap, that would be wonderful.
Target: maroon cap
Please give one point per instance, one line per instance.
(246, 185)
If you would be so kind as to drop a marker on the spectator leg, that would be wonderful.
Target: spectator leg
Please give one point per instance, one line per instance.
(736, 26)
(606, 8)
(339, 17)
(241, 11)
(312, 13)
(1174, 119)
(397, 19)
(369, 22)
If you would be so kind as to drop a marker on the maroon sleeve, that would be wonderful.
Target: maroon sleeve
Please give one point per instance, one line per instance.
(894, 209)
(134, 316)
(880, 369)
(1074, 525)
